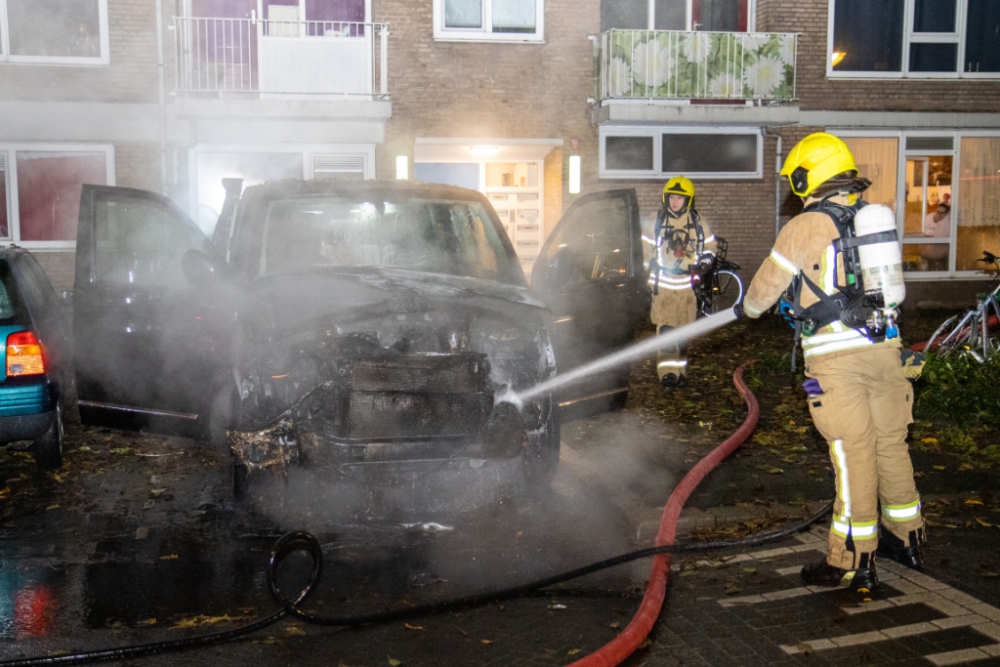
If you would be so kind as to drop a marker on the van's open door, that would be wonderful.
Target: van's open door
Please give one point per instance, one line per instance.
(591, 274)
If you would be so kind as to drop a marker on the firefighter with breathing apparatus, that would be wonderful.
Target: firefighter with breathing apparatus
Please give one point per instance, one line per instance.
(837, 270)
(685, 249)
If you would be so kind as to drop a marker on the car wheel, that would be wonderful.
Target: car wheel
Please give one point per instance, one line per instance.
(48, 448)
(541, 455)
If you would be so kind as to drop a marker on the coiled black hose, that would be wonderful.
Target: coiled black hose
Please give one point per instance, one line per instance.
(303, 541)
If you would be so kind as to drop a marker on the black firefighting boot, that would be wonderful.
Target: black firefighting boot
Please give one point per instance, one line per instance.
(824, 574)
(670, 381)
(907, 553)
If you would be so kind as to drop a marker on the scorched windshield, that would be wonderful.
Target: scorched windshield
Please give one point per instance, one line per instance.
(444, 236)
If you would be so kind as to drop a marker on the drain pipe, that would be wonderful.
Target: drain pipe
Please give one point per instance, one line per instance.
(162, 96)
(777, 179)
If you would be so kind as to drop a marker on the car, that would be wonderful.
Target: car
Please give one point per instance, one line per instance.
(37, 369)
(346, 324)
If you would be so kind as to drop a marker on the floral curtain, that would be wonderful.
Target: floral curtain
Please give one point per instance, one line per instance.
(696, 65)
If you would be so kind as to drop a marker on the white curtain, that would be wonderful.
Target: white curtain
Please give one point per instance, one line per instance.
(877, 159)
(514, 15)
(463, 13)
(978, 200)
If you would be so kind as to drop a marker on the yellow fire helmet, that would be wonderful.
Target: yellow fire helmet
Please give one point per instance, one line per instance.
(678, 185)
(815, 160)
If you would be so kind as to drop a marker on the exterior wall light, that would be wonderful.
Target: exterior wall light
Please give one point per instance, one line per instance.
(574, 174)
(484, 151)
(402, 167)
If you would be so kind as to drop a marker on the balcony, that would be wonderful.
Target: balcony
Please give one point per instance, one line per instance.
(220, 57)
(703, 66)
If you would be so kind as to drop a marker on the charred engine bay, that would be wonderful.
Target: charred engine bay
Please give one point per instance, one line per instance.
(410, 377)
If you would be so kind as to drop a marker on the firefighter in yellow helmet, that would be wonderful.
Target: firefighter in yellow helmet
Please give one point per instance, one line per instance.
(859, 398)
(685, 248)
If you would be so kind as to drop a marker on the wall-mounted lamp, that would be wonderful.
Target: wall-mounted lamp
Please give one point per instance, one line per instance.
(837, 57)
(484, 151)
(402, 167)
(574, 174)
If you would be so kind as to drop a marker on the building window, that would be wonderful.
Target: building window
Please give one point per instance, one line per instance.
(72, 32)
(943, 188)
(630, 152)
(700, 15)
(257, 163)
(914, 38)
(40, 190)
(489, 20)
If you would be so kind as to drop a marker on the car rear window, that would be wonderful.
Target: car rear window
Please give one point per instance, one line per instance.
(454, 237)
(12, 310)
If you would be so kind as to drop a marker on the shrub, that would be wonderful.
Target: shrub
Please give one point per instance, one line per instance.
(960, 389)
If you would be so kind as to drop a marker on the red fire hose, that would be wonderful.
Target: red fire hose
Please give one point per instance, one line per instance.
(919, 347)
(622, 646)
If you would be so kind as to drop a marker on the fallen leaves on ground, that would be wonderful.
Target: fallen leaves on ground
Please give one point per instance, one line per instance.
(199, 620)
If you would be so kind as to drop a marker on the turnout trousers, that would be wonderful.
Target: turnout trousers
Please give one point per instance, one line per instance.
(862, 408)
(672, 308)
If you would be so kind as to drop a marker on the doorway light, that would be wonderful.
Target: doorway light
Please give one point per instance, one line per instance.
(402, 167)
(574, 174)
(484, 151)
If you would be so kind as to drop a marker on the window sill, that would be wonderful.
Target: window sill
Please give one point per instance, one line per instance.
(58, 62)
(484, 39)
(898, 76)
(44, 246)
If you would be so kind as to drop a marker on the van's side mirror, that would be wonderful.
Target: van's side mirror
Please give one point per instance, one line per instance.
(200, 270)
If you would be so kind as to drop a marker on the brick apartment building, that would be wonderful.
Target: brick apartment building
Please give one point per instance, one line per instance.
(509, 97)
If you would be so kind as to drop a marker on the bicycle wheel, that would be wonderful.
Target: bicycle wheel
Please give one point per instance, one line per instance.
(940, 333)
(727, 291)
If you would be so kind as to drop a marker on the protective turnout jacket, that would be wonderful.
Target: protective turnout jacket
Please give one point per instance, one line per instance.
(805, 245)
(680, 242)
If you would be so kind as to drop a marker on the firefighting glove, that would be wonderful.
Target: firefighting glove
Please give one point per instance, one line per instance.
(699, 270)
(913, 363)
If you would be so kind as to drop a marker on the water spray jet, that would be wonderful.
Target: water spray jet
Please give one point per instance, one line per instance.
(674, 337)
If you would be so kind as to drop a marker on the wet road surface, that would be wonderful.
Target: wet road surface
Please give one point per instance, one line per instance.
(138, 539)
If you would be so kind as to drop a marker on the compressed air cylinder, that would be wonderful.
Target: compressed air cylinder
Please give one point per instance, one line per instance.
(881, 263)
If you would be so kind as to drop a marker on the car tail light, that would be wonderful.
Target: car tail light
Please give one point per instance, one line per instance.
(25, 355)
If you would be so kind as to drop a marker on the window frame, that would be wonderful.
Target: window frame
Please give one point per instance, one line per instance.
(485, 34)
(105, 41)
(689, 15)
(10, 151)
(909, 38)
(901, 157)
(656, 134)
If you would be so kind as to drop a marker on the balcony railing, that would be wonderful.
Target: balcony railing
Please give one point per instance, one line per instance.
(332, 58)
(674, 65)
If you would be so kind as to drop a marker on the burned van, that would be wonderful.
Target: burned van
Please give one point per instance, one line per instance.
(324, 323)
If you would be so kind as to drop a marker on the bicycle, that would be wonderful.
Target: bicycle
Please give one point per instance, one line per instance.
(972, 335)
(720, 287)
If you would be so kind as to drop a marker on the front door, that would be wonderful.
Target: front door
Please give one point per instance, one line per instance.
(590, 273)
(149, 346)
(720, 15)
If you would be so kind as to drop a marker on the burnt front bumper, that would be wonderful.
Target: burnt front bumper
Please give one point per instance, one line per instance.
(393, 408)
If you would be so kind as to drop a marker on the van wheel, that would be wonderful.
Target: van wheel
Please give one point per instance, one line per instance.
(48, 448)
